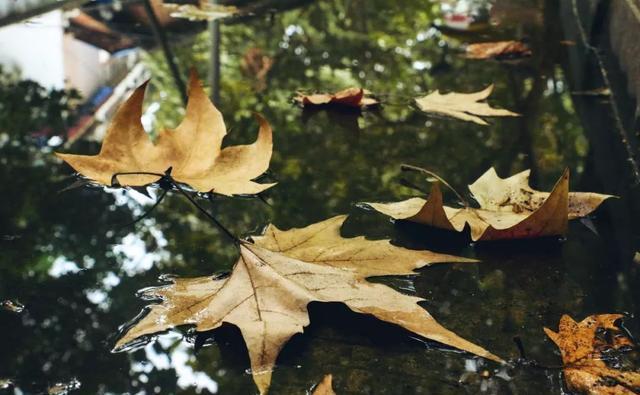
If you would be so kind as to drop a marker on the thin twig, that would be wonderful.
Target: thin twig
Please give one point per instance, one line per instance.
(405, 167)
(206, 213)
(605, 77)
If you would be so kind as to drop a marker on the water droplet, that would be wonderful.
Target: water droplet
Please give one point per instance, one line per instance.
(64, 388)
(6, 384)
(12, 305)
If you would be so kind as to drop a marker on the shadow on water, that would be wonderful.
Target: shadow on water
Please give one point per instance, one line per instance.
(64, 258)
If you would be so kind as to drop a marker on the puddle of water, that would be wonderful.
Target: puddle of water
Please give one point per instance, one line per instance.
(79, 272)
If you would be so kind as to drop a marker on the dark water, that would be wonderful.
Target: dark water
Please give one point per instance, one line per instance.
(67, 259)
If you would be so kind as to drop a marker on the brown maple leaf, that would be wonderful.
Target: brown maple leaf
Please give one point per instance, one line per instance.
(463, 106)
(193, 150)
(509, 208)
(350, 97)
(499, 50)
(592, 352)
(279, 274)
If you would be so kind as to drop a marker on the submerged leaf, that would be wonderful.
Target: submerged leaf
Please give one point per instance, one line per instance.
(193, 150)
(350, 97)
(509, 208)
(593, 353)
(498, 50)
(463, 106)
(325, 387)
(279, 274)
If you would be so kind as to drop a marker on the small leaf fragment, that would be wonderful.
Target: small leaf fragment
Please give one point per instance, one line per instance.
(350, 97)
(499, 50)
(464, 106)
(325, 387)
(201, 12)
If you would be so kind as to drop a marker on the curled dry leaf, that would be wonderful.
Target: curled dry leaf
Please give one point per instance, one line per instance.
(192, 150)
(593, 355)
(279, 274)
(509, 208)
(325, 387)
(350, 97)
(499, 50)
(463, 106)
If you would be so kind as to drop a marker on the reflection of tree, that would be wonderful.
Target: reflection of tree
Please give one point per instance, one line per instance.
(323, 165)
(29, 110)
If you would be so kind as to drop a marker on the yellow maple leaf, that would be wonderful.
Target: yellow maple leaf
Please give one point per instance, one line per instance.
(463, 106)
(279, 274)
(193, 150)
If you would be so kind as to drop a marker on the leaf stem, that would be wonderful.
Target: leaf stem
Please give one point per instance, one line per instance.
(167, 179)
(405, 167)
(206, 213)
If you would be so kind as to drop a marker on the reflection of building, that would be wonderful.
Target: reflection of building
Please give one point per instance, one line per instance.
(62, 49)
(13, 11)
(66, 50)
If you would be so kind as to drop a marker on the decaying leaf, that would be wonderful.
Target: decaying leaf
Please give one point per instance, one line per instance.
(499, 50)
(350, 97)
(279, 274)
(192, 150)
(509, 208)
(463, 106)
(203, 12)
(593, 353)
(325, 387)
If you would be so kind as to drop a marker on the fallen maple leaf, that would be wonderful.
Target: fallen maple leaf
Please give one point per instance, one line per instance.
(464, 106)
(192, 150)
(498, 50)
(350, 97)
(592, 353)
(509, 208)
(279, 274)
(325, 387)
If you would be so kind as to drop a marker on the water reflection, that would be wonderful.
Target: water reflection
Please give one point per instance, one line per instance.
(68, 259)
